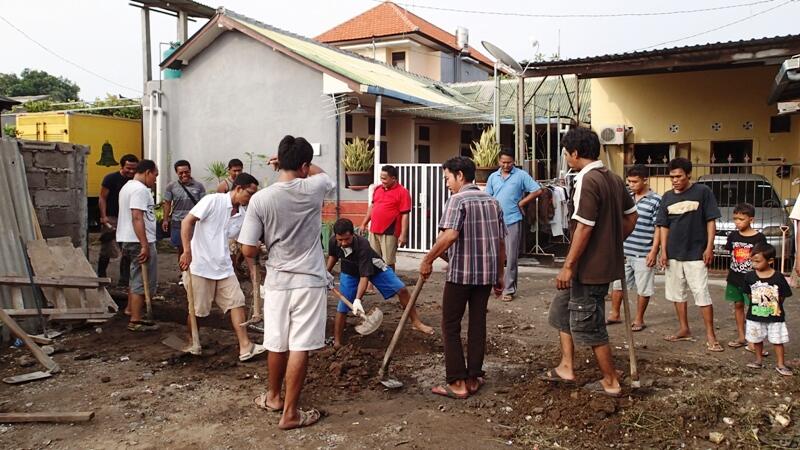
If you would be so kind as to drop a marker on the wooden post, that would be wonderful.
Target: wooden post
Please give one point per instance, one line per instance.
(146, 57)
(17, 331)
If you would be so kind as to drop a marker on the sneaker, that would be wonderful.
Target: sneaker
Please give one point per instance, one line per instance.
(142, 325)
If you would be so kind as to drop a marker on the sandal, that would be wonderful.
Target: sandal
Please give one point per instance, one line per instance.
(553, 377)
(596, 387)
(674, 338)
(613, 321)
(254, 351)
(736, 344)
(638, 327)
(715, 347)
(754, 365)
(445, 391)
(142, 325)
(307, 418)
(507, 298)
(753, 351)
(785, 371)
(261, 403)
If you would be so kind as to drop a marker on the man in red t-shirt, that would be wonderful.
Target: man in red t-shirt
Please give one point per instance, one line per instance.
(388, 216)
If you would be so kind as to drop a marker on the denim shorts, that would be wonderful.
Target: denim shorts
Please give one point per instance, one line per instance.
(175, 234)
(385, 281)
(136, 284)
(580, 311)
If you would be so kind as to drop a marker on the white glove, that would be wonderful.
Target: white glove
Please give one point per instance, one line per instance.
(358, 309)
(330, 279)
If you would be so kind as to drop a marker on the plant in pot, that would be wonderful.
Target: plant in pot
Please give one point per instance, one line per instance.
(485, 153)
(358, 161)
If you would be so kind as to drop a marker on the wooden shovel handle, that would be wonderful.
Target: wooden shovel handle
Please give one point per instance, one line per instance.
(190, 300)
(399, 331)
(631, 347)
(145, 268)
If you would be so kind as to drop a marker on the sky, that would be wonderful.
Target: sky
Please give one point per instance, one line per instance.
(97, 43)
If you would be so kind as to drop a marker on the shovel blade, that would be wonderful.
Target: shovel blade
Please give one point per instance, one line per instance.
(17, 379)
(176, 343)
(372, 321)
(392, 384)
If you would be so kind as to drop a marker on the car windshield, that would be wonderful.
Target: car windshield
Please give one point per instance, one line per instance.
(730, 193)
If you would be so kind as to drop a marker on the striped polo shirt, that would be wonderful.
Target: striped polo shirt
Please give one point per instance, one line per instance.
(478, 218)
(640, 242)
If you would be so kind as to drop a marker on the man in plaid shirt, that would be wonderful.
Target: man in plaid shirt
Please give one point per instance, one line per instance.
(472, 234)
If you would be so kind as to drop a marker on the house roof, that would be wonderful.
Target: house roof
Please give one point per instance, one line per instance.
(761, 51)
(361, 74)
(388, 19)
(191, 8)
(7, 102)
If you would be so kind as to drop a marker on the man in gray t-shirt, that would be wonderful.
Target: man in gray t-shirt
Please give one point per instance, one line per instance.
(288, 214)
(180, 196)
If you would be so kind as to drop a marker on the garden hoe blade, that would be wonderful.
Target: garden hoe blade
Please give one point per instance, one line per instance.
(371, 322)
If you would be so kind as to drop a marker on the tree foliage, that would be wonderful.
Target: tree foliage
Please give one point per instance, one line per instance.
(38, 82)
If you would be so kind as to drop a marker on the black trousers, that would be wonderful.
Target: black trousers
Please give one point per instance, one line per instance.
(455, 300)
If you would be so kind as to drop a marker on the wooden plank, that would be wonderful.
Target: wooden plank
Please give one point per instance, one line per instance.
(40, 339)
(40, 356)
(81, 316)
(44, 263)
(16, 298)
(60, 417)
(64, 282)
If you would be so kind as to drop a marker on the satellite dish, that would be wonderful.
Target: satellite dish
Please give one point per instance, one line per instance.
(502, 57)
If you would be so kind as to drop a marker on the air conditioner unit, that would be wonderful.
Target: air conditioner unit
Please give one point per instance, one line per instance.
(613, 135)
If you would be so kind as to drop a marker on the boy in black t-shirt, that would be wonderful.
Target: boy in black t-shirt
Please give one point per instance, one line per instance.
(740, 245)
(766, 318)
(361, 265)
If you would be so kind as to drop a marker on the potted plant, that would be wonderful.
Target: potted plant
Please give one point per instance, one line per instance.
(358, 161)
(485, 153)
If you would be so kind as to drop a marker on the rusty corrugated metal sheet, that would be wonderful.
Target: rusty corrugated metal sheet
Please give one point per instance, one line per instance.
(15, 219)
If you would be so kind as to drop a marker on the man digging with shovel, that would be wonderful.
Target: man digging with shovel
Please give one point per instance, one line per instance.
(215, 219)
(362, 265)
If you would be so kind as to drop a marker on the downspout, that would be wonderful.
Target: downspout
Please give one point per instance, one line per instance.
(338, 163)
(158, 156)
(377, 138)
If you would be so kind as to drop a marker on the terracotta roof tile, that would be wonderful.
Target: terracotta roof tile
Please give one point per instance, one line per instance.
(388, 19)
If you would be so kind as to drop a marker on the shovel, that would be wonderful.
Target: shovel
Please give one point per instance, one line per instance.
(256, 315)
(145, 268)
(631, 347)
(371, 321)
(391, 383)
(176, 342)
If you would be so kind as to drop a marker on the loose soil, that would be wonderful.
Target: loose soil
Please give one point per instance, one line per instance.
(148, 396)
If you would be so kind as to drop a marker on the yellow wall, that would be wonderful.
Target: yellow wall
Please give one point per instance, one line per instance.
(400, 134)
(124, 135)
(694, 101)
(423, 61)
(445, 138)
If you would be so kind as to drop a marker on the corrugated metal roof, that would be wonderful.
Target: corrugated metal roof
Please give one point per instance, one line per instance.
(480, 96)
(776, 40)
(14, 193)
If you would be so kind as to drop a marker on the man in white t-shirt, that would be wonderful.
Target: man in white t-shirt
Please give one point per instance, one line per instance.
(215, 219)
(136, 234)
(795, 216)
(288, 213)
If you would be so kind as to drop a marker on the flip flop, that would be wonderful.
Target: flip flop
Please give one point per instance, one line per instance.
(612, 321)
(785, 371)
(715, 347)
(736, 344)
(445, 391)
(254, 351)
(307, 418)
(595, 387)
(481, 382)
(753, 365)
(553, 377)
(261, 403)
(507, 298)
(673, 338)
(636, 327)
(753, 351)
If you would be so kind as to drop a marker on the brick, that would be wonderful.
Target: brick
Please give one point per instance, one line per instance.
(58, 180)
(36, 180)
(41, 215)
(53, 159)
(53, 198)
(27, 159)
(61, 216)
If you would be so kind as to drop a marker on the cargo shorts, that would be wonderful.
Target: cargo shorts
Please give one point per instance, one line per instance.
(136, 284)
(580, 311)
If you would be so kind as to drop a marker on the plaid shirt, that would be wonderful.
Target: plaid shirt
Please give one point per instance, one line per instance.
(478, 218)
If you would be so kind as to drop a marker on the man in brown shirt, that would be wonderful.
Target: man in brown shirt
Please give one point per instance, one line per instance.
(604, 215)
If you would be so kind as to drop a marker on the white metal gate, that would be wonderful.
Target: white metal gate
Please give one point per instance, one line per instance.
(425, 183)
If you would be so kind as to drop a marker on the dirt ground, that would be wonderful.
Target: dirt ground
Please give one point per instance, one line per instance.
(147, 396)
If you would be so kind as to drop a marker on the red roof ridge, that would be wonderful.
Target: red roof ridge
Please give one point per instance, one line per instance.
(402, 13)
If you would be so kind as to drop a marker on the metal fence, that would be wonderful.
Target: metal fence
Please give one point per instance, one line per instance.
(771, 187)
(425, 183)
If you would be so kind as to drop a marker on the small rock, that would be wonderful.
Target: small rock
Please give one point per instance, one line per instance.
(728, 421)
(147, 375)
(124, 358)
(782, 420)
(25, 361)
(574, 395)
(537, 410)
(105, 378)
(48, 349)
(528, 418)
(733, 396)
(716, 437)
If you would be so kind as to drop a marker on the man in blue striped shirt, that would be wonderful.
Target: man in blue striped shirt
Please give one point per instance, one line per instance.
(641, 249)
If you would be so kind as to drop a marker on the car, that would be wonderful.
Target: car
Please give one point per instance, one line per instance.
(772, 218)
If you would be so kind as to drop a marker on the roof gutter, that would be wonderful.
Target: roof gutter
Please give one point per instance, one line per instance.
(377, 90)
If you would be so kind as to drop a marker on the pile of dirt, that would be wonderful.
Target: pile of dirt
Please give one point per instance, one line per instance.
(350, 367)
